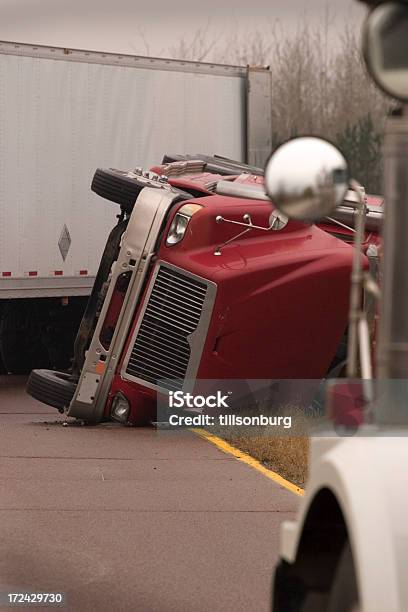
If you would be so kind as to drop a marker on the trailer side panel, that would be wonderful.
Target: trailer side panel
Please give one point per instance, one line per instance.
(59, 121)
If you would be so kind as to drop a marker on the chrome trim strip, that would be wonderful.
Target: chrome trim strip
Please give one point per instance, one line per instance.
(121, 59)
(43, 286)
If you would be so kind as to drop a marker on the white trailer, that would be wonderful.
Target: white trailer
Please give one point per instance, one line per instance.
(65, 112)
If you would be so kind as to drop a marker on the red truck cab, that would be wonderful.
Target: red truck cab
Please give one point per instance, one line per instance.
(203, 280)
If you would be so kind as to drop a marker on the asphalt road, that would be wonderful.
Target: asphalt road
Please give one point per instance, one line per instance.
(131, 519)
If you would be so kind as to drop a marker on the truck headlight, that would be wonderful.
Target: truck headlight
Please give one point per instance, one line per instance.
(180, 223)
(120, 408)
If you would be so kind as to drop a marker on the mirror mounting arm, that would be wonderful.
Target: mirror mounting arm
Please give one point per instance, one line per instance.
(356, 327)
(247, 223)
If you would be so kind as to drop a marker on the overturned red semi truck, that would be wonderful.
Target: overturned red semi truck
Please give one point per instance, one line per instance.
(202, 278)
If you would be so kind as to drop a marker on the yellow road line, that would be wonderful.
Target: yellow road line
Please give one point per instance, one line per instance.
(245, 458)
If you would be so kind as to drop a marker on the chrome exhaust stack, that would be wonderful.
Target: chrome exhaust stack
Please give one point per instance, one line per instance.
(348, 214)
(392, 350)
(392, 354)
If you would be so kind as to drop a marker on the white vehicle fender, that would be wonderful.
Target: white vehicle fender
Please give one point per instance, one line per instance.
(361, 474)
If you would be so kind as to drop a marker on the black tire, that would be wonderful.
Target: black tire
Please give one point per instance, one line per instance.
(52, 388)
(115, 186)
(344, 592)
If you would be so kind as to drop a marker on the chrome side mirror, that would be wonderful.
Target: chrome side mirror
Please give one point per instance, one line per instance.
(385, 47)
(306, 178)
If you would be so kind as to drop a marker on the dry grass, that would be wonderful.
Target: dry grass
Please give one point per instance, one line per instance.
(283, 451)
(287, 456)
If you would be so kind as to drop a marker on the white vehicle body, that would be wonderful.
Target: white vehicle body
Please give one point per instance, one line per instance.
(357, 486)
(64, 112)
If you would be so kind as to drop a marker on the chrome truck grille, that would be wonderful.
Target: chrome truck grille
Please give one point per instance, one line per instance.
(172, 328)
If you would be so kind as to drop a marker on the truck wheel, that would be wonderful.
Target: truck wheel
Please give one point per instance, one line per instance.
(52, 388)
(116, 186)
(344, 592)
